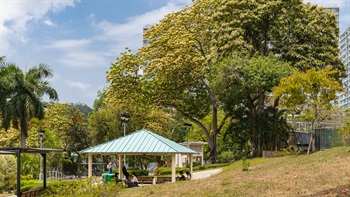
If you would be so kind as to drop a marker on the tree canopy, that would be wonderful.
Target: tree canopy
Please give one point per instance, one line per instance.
(314, 89)
(20, 95)
(184, 62)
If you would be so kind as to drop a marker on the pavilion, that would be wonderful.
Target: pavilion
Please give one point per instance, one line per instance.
(18, 151)
(142, 142)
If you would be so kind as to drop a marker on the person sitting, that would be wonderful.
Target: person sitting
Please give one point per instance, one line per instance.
(117, 180)
(134, 180)
(182, 176)
(188, 175)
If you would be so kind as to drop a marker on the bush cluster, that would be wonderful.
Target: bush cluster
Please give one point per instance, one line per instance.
(81, 188)
(138, 172)
(289, 151)
(167, 170)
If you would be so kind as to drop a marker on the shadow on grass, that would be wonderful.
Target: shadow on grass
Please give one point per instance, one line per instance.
(336, 191)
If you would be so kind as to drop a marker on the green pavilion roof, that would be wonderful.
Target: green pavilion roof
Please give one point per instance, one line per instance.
(140, 142)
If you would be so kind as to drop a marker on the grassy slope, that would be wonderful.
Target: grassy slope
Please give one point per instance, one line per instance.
(305, 175)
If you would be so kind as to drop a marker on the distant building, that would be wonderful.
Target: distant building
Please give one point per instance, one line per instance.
(182, 160)
(344, 46)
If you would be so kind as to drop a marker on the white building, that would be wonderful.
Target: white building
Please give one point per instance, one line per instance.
(181, 159)
(344, 46)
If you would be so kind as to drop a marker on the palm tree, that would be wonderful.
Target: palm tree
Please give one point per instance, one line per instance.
(20, 95)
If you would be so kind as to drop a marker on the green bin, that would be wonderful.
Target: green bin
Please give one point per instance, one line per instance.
(110, 177)
(104, 178)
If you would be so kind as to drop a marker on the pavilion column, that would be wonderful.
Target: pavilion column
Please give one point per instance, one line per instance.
(121, 175)
(45, 175)
(18, 154)
(90, 165)
(191, 163)
(173, 167)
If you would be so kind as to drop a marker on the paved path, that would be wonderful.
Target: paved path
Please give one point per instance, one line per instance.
(205, 174)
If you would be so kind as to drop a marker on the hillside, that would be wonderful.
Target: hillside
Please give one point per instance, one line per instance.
(319, 174)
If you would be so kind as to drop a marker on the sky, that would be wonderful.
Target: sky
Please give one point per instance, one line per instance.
(79, 39)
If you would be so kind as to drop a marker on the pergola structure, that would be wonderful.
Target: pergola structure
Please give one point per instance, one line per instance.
(142, 142)
(18, 151)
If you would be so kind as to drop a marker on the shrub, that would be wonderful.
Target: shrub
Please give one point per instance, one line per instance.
(7, 171)
(289, 151)
(167, 171)
(336, 139)
(226, 157)
(27, 185)
(81, 188)
(140, 172)
(245, 164)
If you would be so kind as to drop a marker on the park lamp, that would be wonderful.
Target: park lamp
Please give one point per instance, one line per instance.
(187, 126)
(124, 117)
(41, 132)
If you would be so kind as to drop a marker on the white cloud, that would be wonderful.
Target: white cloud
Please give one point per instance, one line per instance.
(125, 33)
(67, 44)
(77, 84)
(16, 18)
(83, 59)
(48, 22)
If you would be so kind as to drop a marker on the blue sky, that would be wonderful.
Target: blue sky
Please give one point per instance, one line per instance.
(80, 39)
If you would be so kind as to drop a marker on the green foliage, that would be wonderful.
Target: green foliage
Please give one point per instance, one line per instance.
(27, 185)
(84, 188)
(336, 139)
(226, 157)
(245, 164)
(291, 150)
(139, 172)
(313, 89)
(101, 123)
(255, 119)
(261, 27)
(196, 163)
(20, 96)
(186, 69)
(67, 129)
(30, 166)
(167, 170)
(7, 171)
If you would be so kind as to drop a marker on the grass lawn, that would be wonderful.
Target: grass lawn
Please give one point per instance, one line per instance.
(325, 173)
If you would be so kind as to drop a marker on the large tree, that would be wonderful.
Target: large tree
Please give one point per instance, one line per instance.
(186, 46)
(20, 95)
(313, 89)
(68, 125)
(248, 84)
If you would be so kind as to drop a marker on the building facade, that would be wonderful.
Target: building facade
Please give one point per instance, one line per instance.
(344, 46)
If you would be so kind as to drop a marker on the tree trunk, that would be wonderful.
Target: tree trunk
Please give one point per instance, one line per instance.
(310, 143)
(211, 144)
(311, 134)
(78, 167)
(213, 152)
(23, 140)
